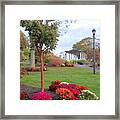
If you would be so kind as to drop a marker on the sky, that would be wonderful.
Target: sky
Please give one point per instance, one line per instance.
(76, 32)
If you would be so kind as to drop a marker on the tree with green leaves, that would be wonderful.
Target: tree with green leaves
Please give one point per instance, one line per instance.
(43, 36)
(24, 50)
(86, 44)
(23, 41)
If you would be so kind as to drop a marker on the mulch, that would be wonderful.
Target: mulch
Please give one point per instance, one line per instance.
(31, 90)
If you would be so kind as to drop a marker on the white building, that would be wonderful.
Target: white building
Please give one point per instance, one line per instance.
(73, 55)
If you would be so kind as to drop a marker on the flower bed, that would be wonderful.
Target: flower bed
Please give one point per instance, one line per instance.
(59, 90)
(42, 96)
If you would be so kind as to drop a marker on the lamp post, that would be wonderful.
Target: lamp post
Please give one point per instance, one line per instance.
(93, 31)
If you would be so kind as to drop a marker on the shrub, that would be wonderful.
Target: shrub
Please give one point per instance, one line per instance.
(56, 82)
(72, 87)
(75, 86)
(64, 93)
(24, 96)
(36, 69)
(69, 63)
(52, 87)
(42, 96)
(23, 71)
(64, 83)
(82, 88)
(55, 61)
(88, 95)
(62, 65)
(74, 91)
(61, 91)
(81, 62)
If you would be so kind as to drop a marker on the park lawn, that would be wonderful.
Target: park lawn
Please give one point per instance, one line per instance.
(80, 76)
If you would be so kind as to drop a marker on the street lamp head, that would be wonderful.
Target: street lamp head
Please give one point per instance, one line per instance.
(93, 31)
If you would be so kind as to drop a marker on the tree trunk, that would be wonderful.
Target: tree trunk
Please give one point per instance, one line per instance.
(32, 59)
(42, 70)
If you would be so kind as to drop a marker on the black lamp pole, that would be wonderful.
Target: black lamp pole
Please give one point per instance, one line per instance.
(93, 31)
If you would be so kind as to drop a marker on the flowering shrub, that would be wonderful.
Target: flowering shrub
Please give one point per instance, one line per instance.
(75, 86)
(88, 95)
(52, 87)
(63, 86)
(24, 96)
(69, 63)
(55, 61)
(82, 88)
(71, 87)
(42, 96)
(64, 93)
(74, 91)
(62, 65)
(64, 83)
(56, 82)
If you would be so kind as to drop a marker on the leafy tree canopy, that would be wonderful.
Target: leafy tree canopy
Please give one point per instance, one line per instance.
(43, 33)
(23, 41)
(86, 44)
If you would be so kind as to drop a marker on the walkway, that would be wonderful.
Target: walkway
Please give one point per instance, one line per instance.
(86, 66)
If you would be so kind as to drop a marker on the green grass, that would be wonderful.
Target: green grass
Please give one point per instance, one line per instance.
(79, 76)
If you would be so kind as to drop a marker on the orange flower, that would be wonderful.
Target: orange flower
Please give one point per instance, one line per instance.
(64, 93)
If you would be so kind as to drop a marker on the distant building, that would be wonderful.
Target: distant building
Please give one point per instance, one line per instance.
(77, 54)
(73, 55)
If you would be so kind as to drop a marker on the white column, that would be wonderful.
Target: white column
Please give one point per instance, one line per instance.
(71, 56)
(65, 56)
(80, 56)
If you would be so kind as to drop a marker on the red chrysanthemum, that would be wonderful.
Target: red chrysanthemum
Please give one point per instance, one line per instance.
(75, 86)
(83, 88)
(74, 91)
(42, 96)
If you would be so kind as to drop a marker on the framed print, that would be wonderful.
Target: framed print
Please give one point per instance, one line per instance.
(60, 59)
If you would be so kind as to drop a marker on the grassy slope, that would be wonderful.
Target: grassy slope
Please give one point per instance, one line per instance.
(79, 76)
